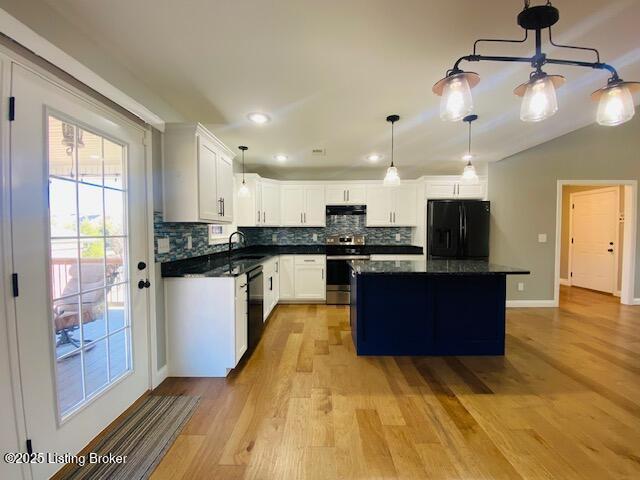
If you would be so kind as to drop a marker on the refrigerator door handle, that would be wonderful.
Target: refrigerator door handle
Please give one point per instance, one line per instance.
(464, 230)
(461, 230)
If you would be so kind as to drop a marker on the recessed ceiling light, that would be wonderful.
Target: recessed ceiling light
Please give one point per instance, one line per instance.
(259, 118)
(281, 157)
(374, 157)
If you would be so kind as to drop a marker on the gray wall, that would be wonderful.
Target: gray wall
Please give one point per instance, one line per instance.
(522, 190)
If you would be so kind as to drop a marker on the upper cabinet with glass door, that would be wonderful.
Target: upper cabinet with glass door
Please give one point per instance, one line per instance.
(197, 176)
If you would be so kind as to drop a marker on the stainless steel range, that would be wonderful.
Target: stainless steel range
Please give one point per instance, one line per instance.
(341, 249)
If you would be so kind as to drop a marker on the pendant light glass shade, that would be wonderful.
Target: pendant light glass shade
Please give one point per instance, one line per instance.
(539, 101)
(615, 106)
(391, 179)
(456, 101)
(469, 174)
(243, 191)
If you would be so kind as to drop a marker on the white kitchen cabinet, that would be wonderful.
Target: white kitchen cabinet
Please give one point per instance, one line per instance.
(270, 203)
(302, 206)
(451, 188)
(206, 325)
(261, 208)
(242, 319)
(286, 277)
(302, 278)
(346, 194)
(197, 176)
(271, 275)
(392, 206)
(310, 277)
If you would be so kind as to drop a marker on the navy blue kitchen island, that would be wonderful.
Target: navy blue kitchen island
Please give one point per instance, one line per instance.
(439, 307)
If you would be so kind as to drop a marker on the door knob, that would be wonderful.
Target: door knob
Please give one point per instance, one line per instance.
(610, 250)
(142, 265)
(144, 284)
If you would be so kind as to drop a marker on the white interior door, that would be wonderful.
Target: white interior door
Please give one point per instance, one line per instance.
(78, 221)
(594, 228)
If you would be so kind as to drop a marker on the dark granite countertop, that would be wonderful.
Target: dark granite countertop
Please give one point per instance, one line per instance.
(433, 267)
(218, 264)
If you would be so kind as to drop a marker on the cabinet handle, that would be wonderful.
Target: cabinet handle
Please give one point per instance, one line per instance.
(223, 206)
(277, 267)
(344, 195)
(323, 273)
(309, 260)
(348, 194)
(258, 218)
(264, 217)
(301, 218)
(394, 217)
(390, 217)
(305, 217)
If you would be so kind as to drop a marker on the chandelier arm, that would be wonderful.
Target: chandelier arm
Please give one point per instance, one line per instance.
(553, 61)
(573, 47)
(499, 40)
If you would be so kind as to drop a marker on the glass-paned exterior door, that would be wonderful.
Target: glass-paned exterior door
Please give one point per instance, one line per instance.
(89, 278)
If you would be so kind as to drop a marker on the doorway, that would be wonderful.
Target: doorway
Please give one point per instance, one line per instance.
(79, 248)
(595, 222)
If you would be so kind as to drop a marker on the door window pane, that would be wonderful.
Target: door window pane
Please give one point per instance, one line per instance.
(118, 358)
(66, 325)
(116, 303)
(90, 158)
(64, 267)
(88, 261)
(94, 324)
(92, 263)
(63, 214)
(62, 145)
(96, 374)
(91, 210)
(113, 165)
(69, 382)
(114, 212)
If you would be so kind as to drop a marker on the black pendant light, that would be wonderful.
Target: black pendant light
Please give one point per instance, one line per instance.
(243, 191)
(392, 179)
(539, 92)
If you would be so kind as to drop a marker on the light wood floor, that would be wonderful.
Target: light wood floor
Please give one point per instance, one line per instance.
(564, 403)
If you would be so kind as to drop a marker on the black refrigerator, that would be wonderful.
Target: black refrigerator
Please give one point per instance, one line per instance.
(458, 229)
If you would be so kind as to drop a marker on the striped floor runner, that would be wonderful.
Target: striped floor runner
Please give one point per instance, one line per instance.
(144, 437)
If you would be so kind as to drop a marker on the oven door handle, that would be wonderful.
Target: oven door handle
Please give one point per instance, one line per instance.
(349, 257)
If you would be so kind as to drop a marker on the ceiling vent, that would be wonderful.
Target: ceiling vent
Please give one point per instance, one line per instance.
(319, 152)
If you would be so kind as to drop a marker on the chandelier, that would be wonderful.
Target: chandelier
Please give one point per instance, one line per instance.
(539, 100)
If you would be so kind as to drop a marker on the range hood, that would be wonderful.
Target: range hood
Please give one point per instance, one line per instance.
(346, 210)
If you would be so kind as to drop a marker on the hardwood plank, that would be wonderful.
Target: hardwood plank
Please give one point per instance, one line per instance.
(563, 403)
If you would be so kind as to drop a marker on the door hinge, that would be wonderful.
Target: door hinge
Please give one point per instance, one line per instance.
(571, 274)
(571, 239)
(14, 284)
(12, 109)
(29, 446)
(573, 205)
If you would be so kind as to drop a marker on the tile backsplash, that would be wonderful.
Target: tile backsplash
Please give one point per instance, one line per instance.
(336, 225)
(177, 234)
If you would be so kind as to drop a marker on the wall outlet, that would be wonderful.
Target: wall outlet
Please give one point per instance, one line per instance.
(542, 238)
(315, 237)
(163, 245)
(189, 242)
(521, 286)
(397, 237)
(274, 238)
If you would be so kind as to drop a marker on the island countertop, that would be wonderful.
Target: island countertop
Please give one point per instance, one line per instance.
(433, 267)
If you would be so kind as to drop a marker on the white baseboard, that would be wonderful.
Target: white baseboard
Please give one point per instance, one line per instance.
(565, 281)
(530, 303)
(636, 301)
(617, 293)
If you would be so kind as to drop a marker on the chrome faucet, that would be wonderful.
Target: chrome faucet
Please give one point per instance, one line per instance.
(244, 240)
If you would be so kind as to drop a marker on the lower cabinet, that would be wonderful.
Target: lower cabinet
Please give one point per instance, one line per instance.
(303, 278)
(206, 325)
(271, 275)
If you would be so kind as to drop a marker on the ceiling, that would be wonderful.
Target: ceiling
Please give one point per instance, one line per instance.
(329, 72)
